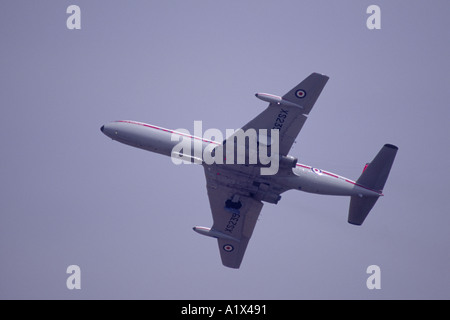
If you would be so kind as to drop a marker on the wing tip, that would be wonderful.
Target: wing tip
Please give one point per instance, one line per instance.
(391, 146)
(317, 74)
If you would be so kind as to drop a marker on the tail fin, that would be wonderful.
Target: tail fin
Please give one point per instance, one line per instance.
(373, 177)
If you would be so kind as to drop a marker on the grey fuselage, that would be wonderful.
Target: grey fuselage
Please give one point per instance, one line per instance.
(301, 177)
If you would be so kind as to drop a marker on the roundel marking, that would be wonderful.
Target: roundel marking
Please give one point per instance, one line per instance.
(317, 171)
(300, 93)
(228, 248)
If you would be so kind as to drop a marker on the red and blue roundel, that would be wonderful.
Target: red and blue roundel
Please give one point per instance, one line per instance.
(300, 93)
(228, 248)
(317, 171)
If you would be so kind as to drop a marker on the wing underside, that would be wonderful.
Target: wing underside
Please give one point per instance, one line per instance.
(289, 119)
(235, 216)
(235, 191)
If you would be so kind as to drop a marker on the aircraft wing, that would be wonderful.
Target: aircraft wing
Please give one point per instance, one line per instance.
(232, 187)
(289, 119)
(234, 216)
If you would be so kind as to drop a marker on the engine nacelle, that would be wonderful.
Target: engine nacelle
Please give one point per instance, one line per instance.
(288, 161)
(271, 197)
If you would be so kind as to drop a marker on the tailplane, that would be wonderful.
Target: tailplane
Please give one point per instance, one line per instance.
(373, 177)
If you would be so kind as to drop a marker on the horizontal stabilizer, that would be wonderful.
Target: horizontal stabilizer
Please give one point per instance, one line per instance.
(360, 208)
(373, 177)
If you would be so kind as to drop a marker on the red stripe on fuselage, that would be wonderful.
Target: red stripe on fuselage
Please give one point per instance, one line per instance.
(167, 130)
(338, 177)
(330, 174)
(209, 141)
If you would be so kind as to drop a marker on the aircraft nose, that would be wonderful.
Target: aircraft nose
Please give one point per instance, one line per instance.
(102, 128)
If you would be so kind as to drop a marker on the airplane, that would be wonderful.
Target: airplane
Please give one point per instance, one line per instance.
(236, 191)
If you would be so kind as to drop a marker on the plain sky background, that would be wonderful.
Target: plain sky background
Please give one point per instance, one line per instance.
(70, 195)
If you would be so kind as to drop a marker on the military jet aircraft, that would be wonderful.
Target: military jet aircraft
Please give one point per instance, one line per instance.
(237, 190)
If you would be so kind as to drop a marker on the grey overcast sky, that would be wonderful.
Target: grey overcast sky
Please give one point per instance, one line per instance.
(71, 196)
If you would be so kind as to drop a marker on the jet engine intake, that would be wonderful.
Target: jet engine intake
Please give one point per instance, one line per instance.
(288, 161)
